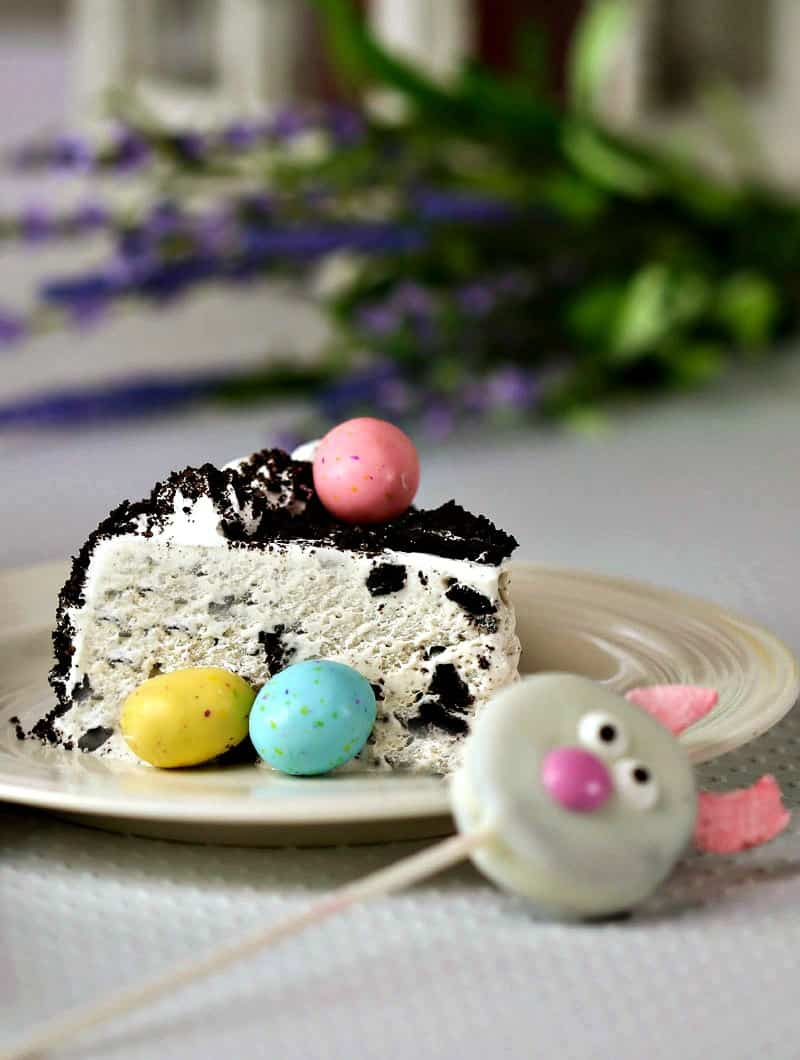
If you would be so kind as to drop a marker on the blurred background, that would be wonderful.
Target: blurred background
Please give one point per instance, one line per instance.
(526, 231)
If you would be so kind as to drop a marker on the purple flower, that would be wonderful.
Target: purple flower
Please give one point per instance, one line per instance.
(437, 205)
(85, 312)
(474, 398)
(129, 151)
(476, 299)
(12, 329)
(289, 122)
(125, 270)
(346, 124)
(361, 389)
(90, 215)
(394, 397)
(257, 206)
(188, 146)
(168, 279)
(240, 135)
(70, 290)
(512, 387)
(164, 219)
(134, 397)
(312, 242)
(438, 419)
(410, 297)
(213, 231)
(71, 152)
(379, 319)
(35, 223)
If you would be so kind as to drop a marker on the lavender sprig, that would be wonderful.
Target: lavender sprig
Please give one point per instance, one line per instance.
(146, 395)
(129, 149)
(37, 223)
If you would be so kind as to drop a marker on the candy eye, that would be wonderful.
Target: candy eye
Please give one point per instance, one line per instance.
(603, 733)
(636, 784)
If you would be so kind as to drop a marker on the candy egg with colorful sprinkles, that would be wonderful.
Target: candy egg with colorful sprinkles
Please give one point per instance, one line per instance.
(186, 717)
(312, 717)
(366, 471)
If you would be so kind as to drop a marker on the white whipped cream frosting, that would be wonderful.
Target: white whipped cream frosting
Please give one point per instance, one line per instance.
(306, 451)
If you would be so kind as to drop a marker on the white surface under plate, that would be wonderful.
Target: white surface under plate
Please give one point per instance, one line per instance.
(620, 632)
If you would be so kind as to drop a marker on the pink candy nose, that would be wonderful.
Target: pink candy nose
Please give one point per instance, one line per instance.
(576, 779)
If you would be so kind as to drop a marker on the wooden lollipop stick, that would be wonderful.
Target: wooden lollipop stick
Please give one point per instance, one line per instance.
(393, 878)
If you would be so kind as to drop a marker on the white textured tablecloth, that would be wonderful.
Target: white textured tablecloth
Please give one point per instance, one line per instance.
(700, 495)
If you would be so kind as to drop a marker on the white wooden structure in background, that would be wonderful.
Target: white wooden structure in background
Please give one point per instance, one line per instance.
(197, 61)
(750, 45)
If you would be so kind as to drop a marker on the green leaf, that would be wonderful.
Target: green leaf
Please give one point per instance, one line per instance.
(480, 103)
(592, 315)
(360, 59)
(707, 197)
(502, 109)
(589, 421)
(695, 364)
(594, 50)
(643, 317)
(658, 302)
(573, 195)
(748, 306)
(595, 154)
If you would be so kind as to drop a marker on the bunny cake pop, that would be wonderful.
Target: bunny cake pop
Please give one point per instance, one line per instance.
(587, 798)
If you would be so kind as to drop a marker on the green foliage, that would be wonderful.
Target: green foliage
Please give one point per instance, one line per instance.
(678, 269)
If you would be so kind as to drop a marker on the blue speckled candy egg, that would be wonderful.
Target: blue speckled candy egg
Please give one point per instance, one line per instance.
(312, 717)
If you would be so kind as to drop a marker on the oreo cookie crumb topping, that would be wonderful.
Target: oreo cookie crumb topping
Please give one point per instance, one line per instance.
(386, 578)
(434, 649)
(422, 577)
(94, 738)
(483, 662)
(18, 730)
(450, 687)
(433, 713)
(378, 691)
(276, 652)
(480, 608)
(448, 697)
(82, 691)
(45, 730)
(470, 600)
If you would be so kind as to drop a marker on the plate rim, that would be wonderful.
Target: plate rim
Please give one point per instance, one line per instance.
(421, 805)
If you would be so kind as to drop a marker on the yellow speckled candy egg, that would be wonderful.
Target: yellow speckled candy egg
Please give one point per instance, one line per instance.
(186, 717)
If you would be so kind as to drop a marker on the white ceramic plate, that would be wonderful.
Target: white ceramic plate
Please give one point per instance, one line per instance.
(620, 632)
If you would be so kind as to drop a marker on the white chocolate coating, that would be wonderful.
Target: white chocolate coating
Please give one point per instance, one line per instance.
(579, 864)
(306, 451)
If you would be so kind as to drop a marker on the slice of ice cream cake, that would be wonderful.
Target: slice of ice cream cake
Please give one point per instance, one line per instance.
(243, 568)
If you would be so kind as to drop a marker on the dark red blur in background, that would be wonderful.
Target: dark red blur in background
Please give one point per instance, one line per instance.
(500, 23)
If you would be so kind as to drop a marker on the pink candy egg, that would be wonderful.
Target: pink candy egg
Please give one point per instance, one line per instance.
(366, 471)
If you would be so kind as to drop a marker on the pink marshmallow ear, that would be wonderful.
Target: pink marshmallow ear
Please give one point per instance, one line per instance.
(735, 820)
(675, 706)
